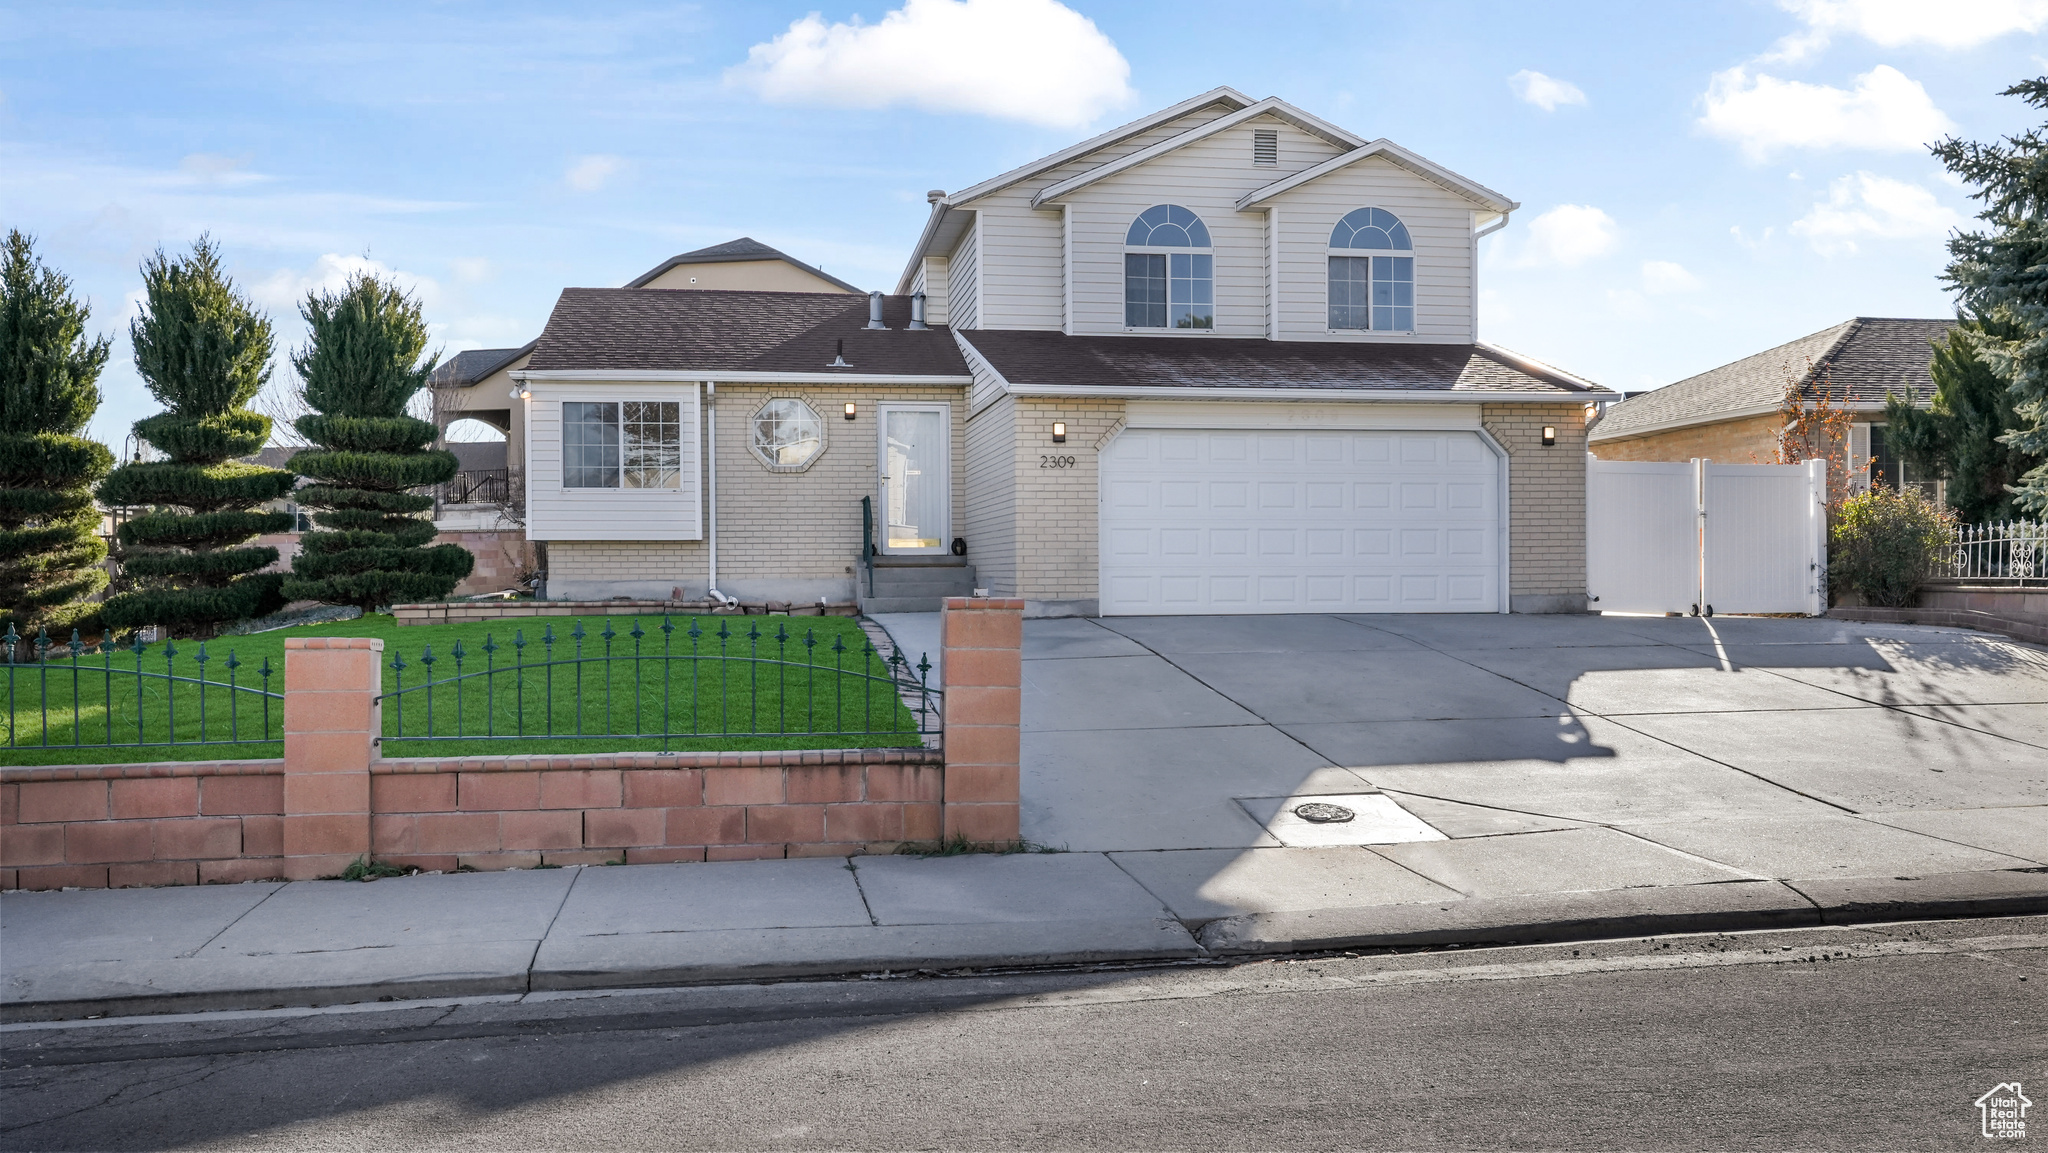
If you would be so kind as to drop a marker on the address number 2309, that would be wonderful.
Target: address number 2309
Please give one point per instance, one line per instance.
(1056, 462)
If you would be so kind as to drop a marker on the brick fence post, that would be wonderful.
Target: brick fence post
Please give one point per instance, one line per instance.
(983, 677)
(332, 720)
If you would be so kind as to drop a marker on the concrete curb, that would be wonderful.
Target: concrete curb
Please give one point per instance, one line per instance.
(708, 957)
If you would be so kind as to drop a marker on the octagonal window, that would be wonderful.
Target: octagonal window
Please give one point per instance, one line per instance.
(788, 434)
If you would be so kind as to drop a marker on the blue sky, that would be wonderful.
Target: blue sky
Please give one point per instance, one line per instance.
(1699, 181)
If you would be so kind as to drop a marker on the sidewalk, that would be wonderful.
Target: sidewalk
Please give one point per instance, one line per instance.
(262, 945)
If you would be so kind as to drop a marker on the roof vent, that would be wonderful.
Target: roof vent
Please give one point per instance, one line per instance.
(934, 196)
(839, 355)
(1265, 147)
(917, 323)
(875, 310)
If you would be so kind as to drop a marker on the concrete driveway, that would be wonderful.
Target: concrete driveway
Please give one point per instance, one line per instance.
(1776, 747)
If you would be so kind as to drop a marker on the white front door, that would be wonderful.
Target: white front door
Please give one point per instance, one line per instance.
(1290, 521)
(916, 497)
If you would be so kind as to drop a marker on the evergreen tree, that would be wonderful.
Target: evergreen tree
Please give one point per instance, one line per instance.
(1959, 436)
(51, 554)
(361, 368)
(204, 351)
(2001, 274)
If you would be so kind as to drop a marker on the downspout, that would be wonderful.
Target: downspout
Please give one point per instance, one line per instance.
(1490, 229)
(711, 492)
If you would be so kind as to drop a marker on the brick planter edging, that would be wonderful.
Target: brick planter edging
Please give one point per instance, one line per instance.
(2032, 631)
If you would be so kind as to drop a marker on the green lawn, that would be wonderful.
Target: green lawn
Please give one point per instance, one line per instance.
(760, 686)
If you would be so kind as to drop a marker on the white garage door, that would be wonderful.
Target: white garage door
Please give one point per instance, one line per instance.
(1242, 521)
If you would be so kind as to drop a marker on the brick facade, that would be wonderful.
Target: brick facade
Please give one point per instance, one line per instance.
(1546, 504)
(1746, 440)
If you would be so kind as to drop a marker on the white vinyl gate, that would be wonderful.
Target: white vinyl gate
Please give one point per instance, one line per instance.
(1706, 537)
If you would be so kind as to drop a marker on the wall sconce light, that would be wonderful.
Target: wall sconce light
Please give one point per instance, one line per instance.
(1549, 435)
(850, 410)
(1059, 432)
(521, 392)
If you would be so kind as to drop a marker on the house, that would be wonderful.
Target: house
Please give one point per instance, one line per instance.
(1734, 413)
(1222, 359)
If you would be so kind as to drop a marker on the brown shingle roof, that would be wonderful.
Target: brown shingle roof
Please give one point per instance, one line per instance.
(1859, 360)
(693, 330)
(1041, 358)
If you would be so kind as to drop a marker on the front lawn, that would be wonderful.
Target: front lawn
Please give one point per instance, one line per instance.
(522, 685)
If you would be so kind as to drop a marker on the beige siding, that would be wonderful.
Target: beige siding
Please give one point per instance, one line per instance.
(1207, 178)
(963, 292)
(1546, 504)
(990, 489)
(933, 281)
(749, 275)
(491, 394)
(555, 513)
(1438, 220)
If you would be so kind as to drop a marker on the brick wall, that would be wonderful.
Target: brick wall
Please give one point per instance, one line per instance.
(172, 824)
(1749, 440)
(500, 556)
(1546, 504)
(1059, 508)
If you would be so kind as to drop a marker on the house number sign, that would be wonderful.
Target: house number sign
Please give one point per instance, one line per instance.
(1056, 462)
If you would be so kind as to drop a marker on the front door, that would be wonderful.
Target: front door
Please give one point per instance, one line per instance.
(916, 498)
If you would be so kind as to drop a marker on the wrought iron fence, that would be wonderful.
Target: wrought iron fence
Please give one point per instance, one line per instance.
(677, 681)
(78, 695)
(478, 486)
(2010, 550)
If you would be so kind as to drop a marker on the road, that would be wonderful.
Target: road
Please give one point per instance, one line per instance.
(1873, 1037)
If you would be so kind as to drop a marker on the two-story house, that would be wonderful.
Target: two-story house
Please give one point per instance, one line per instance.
(1222, 359)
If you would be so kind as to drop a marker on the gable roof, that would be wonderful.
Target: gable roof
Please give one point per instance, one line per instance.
(1033, 359)
(1857, 362)
(1271, 106)
(733, 251)
(474, 365)
(1427, 169)
(684, 330)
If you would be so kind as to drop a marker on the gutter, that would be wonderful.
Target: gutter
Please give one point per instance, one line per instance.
(667, 376)
(1199, 392)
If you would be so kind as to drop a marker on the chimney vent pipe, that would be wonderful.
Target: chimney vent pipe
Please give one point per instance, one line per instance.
(934, 196)
(917, 323)
(875, 310)
(839, 355)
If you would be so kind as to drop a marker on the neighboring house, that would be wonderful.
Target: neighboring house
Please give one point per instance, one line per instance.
(1734, 413)
(1223, 359)
(476, 384)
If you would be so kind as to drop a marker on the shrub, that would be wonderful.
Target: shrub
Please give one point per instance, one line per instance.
(204, 352)
(1886, 542)
(50, 547)
(362, 367)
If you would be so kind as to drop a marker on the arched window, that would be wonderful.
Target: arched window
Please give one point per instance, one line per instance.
(1372, 293)
(1170, 278)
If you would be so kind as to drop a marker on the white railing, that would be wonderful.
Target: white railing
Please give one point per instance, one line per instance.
(2006, 550)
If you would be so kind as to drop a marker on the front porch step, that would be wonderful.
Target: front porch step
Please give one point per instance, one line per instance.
(912, 584)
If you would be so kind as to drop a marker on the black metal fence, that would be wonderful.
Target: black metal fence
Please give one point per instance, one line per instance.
(478, 486)
(78, 695)
(677, 681)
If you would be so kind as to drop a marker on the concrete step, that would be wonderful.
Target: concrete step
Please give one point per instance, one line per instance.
(890, 586)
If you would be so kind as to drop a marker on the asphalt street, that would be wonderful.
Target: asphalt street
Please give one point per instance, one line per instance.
(1869, 1037)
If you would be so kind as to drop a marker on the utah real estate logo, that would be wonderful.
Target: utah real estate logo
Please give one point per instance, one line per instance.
(2004, 1111)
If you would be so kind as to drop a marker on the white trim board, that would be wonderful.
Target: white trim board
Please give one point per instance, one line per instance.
(1302, 414)
(1198, 394)
(665, 376)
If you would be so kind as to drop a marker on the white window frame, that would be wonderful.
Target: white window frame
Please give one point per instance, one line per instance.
(1372, 253)
(945, 464)
(684, 431)
(754, 445)
(1130, 249)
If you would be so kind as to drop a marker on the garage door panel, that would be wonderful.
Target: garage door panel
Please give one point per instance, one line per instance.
(1287, 521)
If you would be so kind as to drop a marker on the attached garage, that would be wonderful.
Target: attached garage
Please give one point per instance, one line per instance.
(1300, 519)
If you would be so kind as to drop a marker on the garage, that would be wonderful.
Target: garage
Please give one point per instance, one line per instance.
(1294, 520)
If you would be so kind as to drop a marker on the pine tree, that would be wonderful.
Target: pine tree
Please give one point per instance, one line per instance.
(204, 351)
(1958, 437)
(361, 368)
(2001, 274)
(51, 554)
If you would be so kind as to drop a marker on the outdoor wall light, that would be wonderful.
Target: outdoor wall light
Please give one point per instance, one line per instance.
(1549, 434)
(521, 392)
(850, 410)
(1059, 432)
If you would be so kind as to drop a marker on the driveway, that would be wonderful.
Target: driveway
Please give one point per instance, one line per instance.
(1776, 747)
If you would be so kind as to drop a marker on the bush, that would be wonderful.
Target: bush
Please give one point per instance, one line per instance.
(1885, 543)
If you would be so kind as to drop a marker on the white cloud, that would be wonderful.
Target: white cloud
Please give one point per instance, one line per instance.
(1569, 235)
(1545, 92)
(590, 173)
(282, 290)
(1885, 111)
(1037, 61)
(1663, 276)
(472, 269)
(212, 168)
(1865, 205)
(1897, 23)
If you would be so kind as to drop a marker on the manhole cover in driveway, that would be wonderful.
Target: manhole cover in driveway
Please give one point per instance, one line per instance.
(1321, 820)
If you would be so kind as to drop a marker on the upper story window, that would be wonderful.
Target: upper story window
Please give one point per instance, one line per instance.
(615, 444)
(1169, 272)
(1372, 293)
